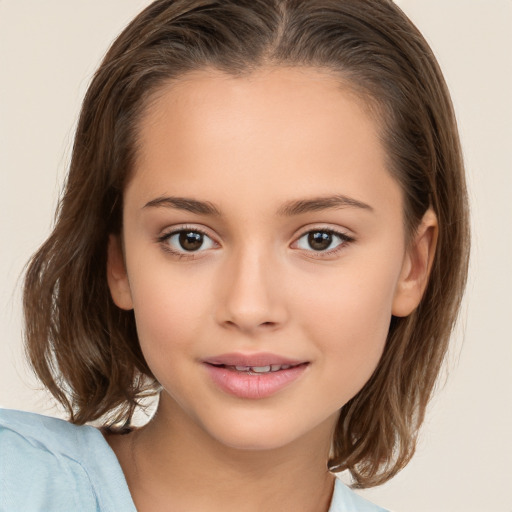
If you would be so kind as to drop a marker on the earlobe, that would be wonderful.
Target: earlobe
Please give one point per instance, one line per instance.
(117, 276)
(416, 266)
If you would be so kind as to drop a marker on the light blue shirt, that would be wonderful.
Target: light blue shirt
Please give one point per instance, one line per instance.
(50, 465)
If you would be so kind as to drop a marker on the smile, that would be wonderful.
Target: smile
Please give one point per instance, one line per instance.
(258, 370)
(253, 377)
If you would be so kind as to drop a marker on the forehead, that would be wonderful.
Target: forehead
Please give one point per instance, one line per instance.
(292, 100)
(298, 127)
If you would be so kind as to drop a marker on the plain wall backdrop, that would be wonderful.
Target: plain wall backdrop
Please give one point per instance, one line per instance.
(48, 53)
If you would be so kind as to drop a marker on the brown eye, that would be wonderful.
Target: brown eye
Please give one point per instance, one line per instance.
(187, 240)
(191, 240)
(320, 240)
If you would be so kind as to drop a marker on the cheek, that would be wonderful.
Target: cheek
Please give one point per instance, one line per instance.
(354, 298)
(168, 310)
(348, 318)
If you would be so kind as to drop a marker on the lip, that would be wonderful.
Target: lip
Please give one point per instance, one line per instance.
(250, 385)
(256, 359)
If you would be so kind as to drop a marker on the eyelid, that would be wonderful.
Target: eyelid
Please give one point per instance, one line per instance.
(170, 231)
(331, 228)
(341, 233)
(176, 228)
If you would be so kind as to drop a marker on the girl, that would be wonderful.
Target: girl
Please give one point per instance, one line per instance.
(264, 223)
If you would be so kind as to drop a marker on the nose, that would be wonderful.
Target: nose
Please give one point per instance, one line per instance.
(251, 293)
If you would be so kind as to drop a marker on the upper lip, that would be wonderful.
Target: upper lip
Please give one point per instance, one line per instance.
(256, 359)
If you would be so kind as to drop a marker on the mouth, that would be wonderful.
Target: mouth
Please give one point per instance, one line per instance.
(254, 376)
(260, 362)
(257, 370)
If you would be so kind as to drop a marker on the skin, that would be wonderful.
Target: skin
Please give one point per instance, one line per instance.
(251, 146)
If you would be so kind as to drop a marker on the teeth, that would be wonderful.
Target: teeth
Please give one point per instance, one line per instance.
(260, 369)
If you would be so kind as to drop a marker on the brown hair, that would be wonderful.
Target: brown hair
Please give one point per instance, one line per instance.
(85, 349)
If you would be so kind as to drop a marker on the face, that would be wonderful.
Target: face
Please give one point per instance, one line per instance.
(264, 252)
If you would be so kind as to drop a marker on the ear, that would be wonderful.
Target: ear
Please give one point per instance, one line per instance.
(117, 277)
(416, 266)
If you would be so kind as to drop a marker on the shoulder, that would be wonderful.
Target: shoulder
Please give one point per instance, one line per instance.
(345, 499)
(49, 464)
(43, 434)
(40, 467)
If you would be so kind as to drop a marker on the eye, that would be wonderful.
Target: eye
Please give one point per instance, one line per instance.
(321, 240)
(187, 241)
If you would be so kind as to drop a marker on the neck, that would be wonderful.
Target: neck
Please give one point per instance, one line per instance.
(172, 464)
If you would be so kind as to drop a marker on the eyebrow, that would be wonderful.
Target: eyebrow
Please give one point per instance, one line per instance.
(288, 209)
(321, 203)
(184, 203)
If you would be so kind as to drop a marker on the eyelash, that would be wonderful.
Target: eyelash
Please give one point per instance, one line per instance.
(163, 240)
(344, 240)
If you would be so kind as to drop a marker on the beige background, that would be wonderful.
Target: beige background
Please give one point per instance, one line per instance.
(48, 51)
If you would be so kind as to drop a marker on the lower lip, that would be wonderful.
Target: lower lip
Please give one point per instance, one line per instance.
(253, 386)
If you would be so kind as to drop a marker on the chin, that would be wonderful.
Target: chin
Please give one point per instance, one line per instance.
(266, 433)
(244, 440)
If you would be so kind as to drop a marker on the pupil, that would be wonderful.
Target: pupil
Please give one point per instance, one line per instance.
(319, 240)
(191, 241)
